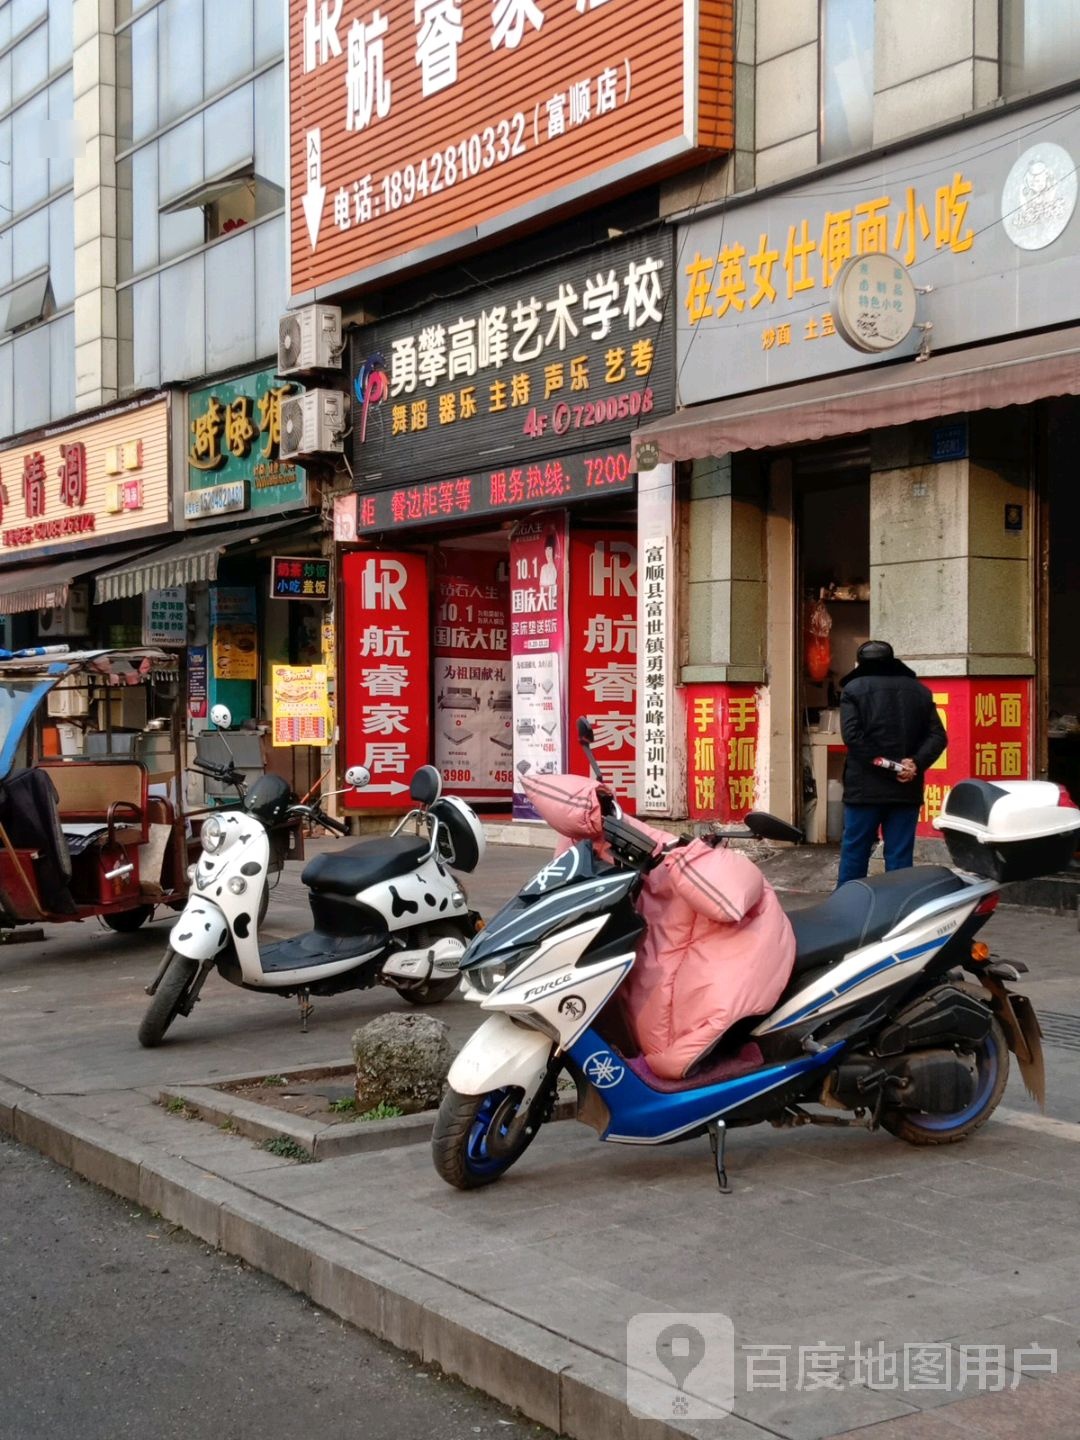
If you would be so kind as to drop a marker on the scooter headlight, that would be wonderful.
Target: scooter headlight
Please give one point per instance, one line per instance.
(485, 979)
(212, 835)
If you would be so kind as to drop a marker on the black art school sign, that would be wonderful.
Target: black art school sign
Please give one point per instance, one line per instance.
(570, 355)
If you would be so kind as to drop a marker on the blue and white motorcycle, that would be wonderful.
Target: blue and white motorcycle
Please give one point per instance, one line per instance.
(878, 1025)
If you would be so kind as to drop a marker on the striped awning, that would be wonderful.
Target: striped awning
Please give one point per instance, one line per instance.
(41, 587)
(187, 562)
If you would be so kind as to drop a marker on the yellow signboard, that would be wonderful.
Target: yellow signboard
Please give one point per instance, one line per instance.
(300, 705)
(236, 651)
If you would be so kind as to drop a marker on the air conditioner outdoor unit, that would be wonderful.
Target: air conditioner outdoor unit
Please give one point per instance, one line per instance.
(310, 339)
(313, 424)
(68, 620)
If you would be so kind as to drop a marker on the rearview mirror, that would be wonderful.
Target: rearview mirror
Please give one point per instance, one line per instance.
(584, 731)
(221, 716)
(358, 776)
(764, 826)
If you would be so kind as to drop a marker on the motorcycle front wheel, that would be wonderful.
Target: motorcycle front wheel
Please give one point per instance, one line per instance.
(475, 1140)
(165, 1006)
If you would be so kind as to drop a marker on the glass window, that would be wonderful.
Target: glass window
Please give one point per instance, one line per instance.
(144, 208)
(230, 302)
(5, 36)
(146, 334)
(270, 127)
(5, 81)
(62, 365)
(228, 133)
(29, 64)
(269, 30)
(183, 331)
(125, 378)
(1040, 44)
(62, 250)
(5, 170)
(61, 134)
(144, 89)
(180, 157)
(270, 288)
(29, 144)
(5, 265)
(228, 43)
(30, 244)
(31, 369)
(60, 34)
(847, 77)
(7, 411)
(180, 38)
(25, 12)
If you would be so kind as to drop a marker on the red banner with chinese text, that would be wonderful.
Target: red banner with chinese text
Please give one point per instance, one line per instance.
(722, 750)
(603, 655)
(473, 722)
(988, 723)
(386, 663)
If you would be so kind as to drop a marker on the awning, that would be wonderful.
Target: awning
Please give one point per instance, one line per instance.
(40, 587)
(190, 560)
(985, 377)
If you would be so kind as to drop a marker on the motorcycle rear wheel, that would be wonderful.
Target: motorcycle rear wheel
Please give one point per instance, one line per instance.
(467, 1144)
(992, 1062)
(126, 922)
(165, 1006)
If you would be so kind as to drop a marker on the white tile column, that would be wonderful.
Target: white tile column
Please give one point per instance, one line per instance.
(94, 85)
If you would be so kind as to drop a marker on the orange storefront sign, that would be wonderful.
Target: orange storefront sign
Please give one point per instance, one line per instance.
(418, 127)
(86, 484)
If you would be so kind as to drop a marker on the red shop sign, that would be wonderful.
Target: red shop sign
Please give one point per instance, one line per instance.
(386, 668)
(722, 750)
(604, 655)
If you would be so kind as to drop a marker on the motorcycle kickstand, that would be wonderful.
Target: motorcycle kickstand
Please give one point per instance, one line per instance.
(717, 1141)
(303, 1000)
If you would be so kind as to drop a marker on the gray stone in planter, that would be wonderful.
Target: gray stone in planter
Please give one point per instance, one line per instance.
(401, 1060)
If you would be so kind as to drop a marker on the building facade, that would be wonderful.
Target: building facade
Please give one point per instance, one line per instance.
(911, 488)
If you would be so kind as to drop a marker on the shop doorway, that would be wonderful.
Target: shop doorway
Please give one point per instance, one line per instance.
(1058, 707)
(831, 505)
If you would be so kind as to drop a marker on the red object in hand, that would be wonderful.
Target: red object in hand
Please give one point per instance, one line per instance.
(888, 764)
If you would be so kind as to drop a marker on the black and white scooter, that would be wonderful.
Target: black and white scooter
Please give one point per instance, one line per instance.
(386, 910)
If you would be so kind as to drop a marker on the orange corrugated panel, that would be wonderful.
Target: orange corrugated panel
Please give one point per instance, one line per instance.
(583, 99)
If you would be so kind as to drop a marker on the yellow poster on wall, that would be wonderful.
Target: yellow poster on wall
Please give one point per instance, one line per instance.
(236, 651)
(300, 701)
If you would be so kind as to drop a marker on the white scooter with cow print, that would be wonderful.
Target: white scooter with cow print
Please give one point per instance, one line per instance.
(386, 910)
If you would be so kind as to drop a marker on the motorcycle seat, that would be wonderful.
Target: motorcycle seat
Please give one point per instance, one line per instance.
(350, 871)
(863, 911)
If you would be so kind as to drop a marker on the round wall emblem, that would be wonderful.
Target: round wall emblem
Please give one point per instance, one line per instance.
(1039, 196)
(873, 303)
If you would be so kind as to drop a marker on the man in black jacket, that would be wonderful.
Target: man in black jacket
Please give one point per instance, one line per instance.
(885, 713)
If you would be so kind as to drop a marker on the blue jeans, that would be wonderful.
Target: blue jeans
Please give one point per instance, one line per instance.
(861, 825)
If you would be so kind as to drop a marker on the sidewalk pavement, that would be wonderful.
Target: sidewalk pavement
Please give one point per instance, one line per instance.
(959, 1266)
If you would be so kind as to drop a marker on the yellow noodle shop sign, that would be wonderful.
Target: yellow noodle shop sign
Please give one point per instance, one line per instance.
(300, 705)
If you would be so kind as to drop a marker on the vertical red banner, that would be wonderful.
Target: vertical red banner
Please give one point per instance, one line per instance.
(603, 655)
(722, 743)
(988, 723)
(386, 664)
(538, 573)
(471, 676)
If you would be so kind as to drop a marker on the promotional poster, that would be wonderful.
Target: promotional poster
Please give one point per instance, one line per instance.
(538, 584)
(473, 701)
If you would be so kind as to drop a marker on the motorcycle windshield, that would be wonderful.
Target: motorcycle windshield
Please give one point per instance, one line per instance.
(19, 700)
(524, 921)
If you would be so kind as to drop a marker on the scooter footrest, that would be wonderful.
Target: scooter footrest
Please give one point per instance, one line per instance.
(315, 948)
(728, 1067)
